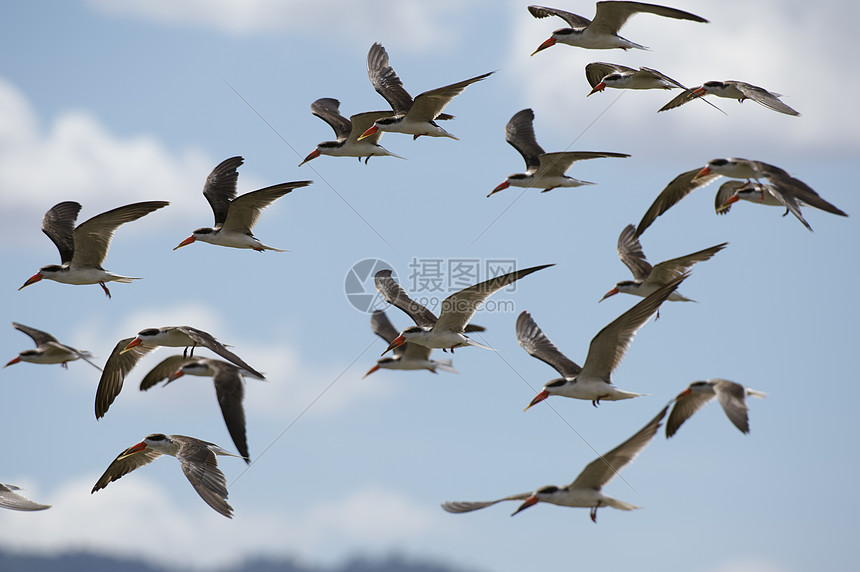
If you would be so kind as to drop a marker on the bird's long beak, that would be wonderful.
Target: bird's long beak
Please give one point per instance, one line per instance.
(684, 393)
(501, 186)
(32, 280)
(370, 131)
(599, 87)
(185, 242)
(132, 450)
(538, 398)
(729, 202)
(314, 154)
(398, 341)
(702, 173)
(133, 343)
(531, 501)
(699, 92)
(174, 376)
(612, 292)
(15, 360)
(547, 44)
(371, 370)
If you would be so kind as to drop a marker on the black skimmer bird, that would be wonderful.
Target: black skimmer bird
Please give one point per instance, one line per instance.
(732, 89)
(601, 75)
(14, 501)
(412, 117)
(83, 249)
(48, 349)
(347, 132)
(586, 490)
(129, 351)
(198, 460)
(448, 331)
(647, 278)
(592, 381)
(235, 216)
(229, 389)
(543, 170)
(791, 190)
(732, 396)
(602, 32)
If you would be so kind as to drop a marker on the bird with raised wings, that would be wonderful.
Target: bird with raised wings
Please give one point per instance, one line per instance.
(732, 397)
(48, 349)
(235, 216)
(732, 89)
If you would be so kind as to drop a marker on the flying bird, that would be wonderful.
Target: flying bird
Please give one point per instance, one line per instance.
(731, 395)
(229, 389)
(14, 501)
(235, 216)
(602, 32)
(592, 381)
(732, 89)
(48, 349)
(647, 278)
(129, 351)
(413, 117)
(586, 490)
(448, 331)
(197, 458)
(83, 249)
(601, 75)
(347, 132)
(543, 170)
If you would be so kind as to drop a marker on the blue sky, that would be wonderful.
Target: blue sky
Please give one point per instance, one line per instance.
(108, 105)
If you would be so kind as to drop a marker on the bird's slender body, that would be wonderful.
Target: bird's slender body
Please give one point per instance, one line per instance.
(732, 89)
(601, 75)
(48, 350)
(732, 397)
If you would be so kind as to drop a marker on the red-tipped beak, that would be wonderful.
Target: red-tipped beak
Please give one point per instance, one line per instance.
(371, 370)
(174, 376)
(33, 279)
(531, 501)
(132, 450)
(185, 242)
(398, 341)
(314, 154)
(700, 92)
(547, 44)
(599, 87)
(612, 292)
(502, 186)
(15, 360)
(702, 173)
(538, 398)
(133, 343)
(725, 206)
(684, 393)
(370, 131)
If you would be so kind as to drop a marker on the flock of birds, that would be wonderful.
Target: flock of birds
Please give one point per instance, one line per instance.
(83, 249)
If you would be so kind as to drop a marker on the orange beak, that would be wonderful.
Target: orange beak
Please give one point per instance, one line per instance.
(314, 154)
(133, 343)
(15, 360)
(132, 450)
(599, 87)
(612, 292)
(398, 341)
(371, 370)
(538, 398)
(370, 131)
(725, 206)
(33, 279)
(185, 242)
(174, 376)
(702, 173)
(531, 501)
(502, 186)
(547, 44)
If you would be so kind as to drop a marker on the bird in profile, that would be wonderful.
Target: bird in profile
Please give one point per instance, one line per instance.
(543, 170)
(413, 117)
(587, 489)
(732, 397)
(347, 132)
(13, 501)
(601, 75)
(229, 389)
(83, 249)
(602, 32)
(235, 216)
(592, 381)
(647, 278)
(48, 349)
(198, 460)
(731, 89)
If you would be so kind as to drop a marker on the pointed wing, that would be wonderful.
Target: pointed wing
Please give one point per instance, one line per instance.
(92, 238)
(395, 295)
(245, 210)
(596, 71)
(535, 342)
(686, 404)
(361, 122)
(230, 391)
(682, 98)
(207, 340)
(14, 501)
(385, 80)
(601, 470)
(124, 464)
(200, 466)
(220, 187)
(117, 367)
(466, 506)
(520, 134)
(163, 370)
(665, 78)
(573, 20)
(459, 307)
(631, 254)
(59, 224)
(429, 105)
(608, 347)
(732, 396)
(382, 326)
(788, 200)
(670, 269)
(39, 337)
(611, 16)
(764, 97)
(556, 164)
(326, 109)
(677, 189)
(788, 185)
